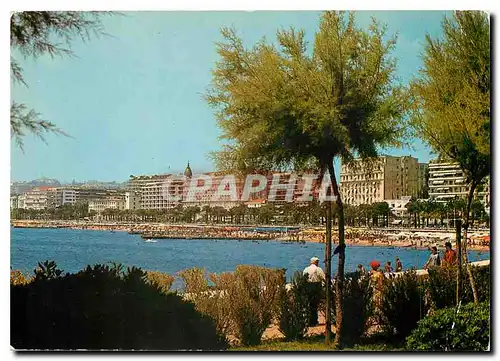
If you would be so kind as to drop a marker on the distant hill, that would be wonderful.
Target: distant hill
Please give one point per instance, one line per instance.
(21, 187)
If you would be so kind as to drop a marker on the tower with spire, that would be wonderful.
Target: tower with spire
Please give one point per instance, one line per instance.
(188, 173)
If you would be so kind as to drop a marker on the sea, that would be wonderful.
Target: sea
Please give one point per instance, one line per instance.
(72, 250)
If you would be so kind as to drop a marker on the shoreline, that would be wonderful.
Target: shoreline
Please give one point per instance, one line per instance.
(364, 237)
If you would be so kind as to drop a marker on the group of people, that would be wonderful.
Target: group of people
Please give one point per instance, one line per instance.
(316, 277)
(387, 268)
(449, 259)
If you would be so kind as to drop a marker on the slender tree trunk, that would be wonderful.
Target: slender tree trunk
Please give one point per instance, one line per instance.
(328, 265)
(458, 233)
(466, 257)
(339, 280)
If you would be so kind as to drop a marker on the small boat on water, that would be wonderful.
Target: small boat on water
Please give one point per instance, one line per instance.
(149, 240)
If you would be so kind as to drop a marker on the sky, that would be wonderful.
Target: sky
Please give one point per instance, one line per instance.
(132, 101)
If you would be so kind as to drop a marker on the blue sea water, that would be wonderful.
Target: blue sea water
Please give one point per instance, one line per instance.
(74, 249)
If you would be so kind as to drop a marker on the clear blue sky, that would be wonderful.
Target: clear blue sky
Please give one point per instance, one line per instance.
(132, 102)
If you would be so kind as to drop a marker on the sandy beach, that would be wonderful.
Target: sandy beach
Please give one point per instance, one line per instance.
(400, 238)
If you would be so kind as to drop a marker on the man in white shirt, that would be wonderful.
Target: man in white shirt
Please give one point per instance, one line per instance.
(314, 272)
(316, 278)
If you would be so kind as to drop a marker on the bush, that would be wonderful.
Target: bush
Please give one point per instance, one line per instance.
(209, 301)
(19, 278)
(254, 293)
(442, 284)
(242, 303)
(295, 312)
(402, 304)
(471, 331)
(357, 306)
(161, 280)
(102, 307)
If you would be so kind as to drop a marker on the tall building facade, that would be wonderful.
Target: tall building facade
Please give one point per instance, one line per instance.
(61, 196)
(446, 181)
(484, 195)
(387, 177)
(422, 180)
(111, 202)
(166, 191)
(38, 198)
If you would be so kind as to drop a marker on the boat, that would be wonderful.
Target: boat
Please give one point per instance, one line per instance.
(149, 240)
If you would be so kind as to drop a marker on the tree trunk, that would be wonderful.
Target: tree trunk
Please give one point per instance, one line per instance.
(328, 263)
(458, 233)
(466, 258)
(339, 280)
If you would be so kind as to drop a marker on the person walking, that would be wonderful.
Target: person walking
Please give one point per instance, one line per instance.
(450, 255)
(315, 277)
(434, 259)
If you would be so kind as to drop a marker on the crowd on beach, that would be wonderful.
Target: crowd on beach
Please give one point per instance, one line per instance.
(361, 237)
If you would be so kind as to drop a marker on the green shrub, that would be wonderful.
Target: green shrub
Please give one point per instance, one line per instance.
(357, 306)
(442, 285)
(295, 313)
(102, 307)
(254, 293)
(402, 304)
(211, 301)
(445, 330)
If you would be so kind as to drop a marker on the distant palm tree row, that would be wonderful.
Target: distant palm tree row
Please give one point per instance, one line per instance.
(420, 213)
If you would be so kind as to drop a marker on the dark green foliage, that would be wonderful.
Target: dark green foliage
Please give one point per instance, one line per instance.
(295, 313)
(482, 277)
(249, 325)
(102, 307)
(402, 304)
(471, 331)
(441, 285)
(358, 307)
(47, 270)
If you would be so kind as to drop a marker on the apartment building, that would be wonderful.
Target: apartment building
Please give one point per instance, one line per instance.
(162, 191)
(446, 181)
(84, 195)
(387, 177)
(131, 201)
(422, 174)
(168, 190)
(20, 200)
(484, 195)
(38, 198)
(14, 201)
(61, 196)
(110, 202)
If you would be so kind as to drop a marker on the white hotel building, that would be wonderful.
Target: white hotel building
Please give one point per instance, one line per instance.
(446, 181)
